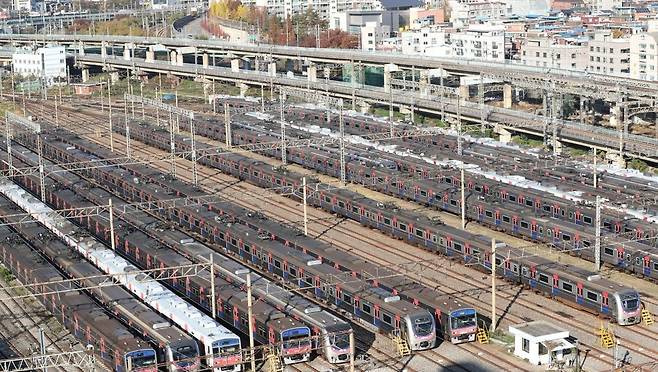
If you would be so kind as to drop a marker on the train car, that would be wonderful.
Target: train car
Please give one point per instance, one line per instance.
(209, 333)
(169, 338)
(114, 344)
(273, 325)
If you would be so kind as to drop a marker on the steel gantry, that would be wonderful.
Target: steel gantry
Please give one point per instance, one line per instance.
(80, 359)
(31, 126)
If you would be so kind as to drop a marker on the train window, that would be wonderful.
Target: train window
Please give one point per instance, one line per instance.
(341, 204)
(293, 271)
(524, 271)
(543, 278)
(587, 243)
(547, 208)
(478, 188)
(541, 230)
(365, 307)
(524, 225)
(387, 221)
(638, 261)
(562, 212)
(355, 209)
(433, 238)
(387, 318)
(488, 213)
(567, 287)
(423, 193)
(512, 198)
(609, 251)
(476, 252)
(528, 203)
(499, 261)
(277, 264)
(457, 246)
(453, 202)
(327, 199)
(628, 257)
(655, 266)
(277, 181)
(566, 237)
(506, 219)
(234, 242)
(447, 180)
(593, 296)
(419, 233)
(402, 227)
(347, 298)
(606, 224)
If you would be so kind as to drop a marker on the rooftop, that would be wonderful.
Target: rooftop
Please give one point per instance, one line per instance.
(537, 328)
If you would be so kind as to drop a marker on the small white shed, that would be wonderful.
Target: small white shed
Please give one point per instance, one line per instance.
(543, 343)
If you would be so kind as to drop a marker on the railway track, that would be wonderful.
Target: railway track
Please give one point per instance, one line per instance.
(474, 350)
(213, 177)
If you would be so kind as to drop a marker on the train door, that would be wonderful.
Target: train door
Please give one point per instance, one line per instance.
(533, 276)
(377, 315)
(604, 302)
(480, 211)
(339, 295)
(515, 224)
(646, 268)
(497, 218)
(270, 262)
(316, 285)
(285, 270)
(357, 308)
(579, 293)
(555, 288)
(620, 257)
(578, 217)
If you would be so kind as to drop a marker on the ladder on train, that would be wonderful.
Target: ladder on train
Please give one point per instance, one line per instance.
(482, 335)
(647, 317)
(402, 346)
(273, 361)
(606, 337)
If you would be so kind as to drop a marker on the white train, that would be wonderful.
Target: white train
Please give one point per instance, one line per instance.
(214, 338)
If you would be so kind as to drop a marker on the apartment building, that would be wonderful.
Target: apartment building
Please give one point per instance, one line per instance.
(478, 42)
(325, 8)
(466, 12)
(644, 56)
(609, 55)
(541, 51)
(48, 63)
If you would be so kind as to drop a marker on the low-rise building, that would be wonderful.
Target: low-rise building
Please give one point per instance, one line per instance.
(542, 51)
(644, 56)
(47, 63)
(480, 42)
(609, 55)
(466, 12)
(542, 343)
(22, 5)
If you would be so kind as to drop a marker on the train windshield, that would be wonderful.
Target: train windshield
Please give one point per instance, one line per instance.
(185, 353)
(340, 341)
(136, 360)
(230, 346)
(423, 326)
(295, 338)
(461, 321)
(631, 304)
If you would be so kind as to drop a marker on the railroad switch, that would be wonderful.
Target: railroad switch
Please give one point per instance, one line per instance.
(402, 346)
(606, 337)
(647, 317)
(482, 335)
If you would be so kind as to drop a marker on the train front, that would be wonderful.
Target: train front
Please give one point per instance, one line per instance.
(462, 326)
(421, 330)
(337, 343)
(183, 355)
(227, 355)
(628, 307)
(296, 345)
(143, 360)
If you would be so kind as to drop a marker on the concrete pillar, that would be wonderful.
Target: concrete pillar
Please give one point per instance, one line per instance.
(388, 69)
(103, 49)
(507, 96)
(85, 75)
(150, 56)
(582, 110)
(243, 88)
(271, 69)
(205, 60)
(424, 83)
(126, 52)
(464, 92)
(615, 117)
(172, 57)
(179, 59)
(235, 65)
(364, 107)
(114, 76)
(312, 73)
(81, 49)
(505, 135)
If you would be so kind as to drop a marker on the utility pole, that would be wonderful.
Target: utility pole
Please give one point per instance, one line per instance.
(125, 116)
(195, 176)
(109, 106)
(283, 131)
(252, 357)
(595, 170)
(42, 345)
(172, 145)
(493, 285)
(351, 351)
(141, 94)
(342, 145)
(305, 207)
(227, 126)
(8, 135)
(463, 199)
(262, 98)
(113, 243)
(597, 241)
(213, 297)
(390, 112)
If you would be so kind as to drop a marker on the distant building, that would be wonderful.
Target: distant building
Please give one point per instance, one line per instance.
(48, 63)
(602, 5)
(465, 12)
(479, 42)
(372, 26)
(326, 8)
(542, 343)
(23, 5)
(609, 55)
(644, 56)
(542, 51)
